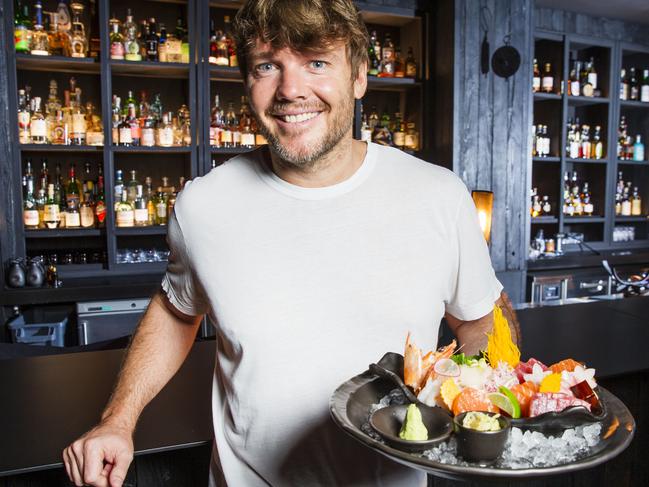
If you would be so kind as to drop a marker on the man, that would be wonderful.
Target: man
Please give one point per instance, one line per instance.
(314, 257)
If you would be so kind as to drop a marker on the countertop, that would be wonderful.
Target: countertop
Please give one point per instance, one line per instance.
(49, 401)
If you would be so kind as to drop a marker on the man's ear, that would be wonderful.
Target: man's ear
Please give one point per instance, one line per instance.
(360, 81)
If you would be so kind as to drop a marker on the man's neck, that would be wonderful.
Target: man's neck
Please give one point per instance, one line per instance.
(334, 167)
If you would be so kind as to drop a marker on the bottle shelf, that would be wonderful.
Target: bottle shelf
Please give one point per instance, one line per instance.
(151, 150)
(231, 150)
(63, 232)
(141, 267)
(151, 69)
(546, 159)
(544, 220)
(587, 161)
(376, 83)
(547, 96)
(584, 219)
(60, 148)
(630, 219)
(633, 163)
(135, 231)
(586, 100)
(57, 63)
(633, 104)
(225, 73)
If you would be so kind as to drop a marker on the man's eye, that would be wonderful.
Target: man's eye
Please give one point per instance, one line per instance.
(264, 67)
(318, 64)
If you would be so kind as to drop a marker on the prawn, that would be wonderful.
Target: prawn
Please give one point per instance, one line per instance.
(419, 367)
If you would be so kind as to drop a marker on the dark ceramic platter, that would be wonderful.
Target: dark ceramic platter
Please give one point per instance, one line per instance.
(350, 405)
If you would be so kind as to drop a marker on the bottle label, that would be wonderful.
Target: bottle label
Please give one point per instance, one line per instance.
(400, 139)
(141, 215)
(148, 137)
(38, 128)
(87, 217)
(31, 218)
(78, 123)
(136, 133)
(72, 219)
(588, 208)
(626, 208)
(592, 79)
(161, 210)
(226, 137)
(125, 218)
(574, 88)
(23, 119)
(410, 142)
(411, 70)
(21, 38)
(117, 50)
(548, 83)
(236, 137)
(644, 93)
(100, 211)
(366, 135)
(536, 83)
(248, 140)
(77, 48)
(234, 62)
(166, 137)
(125, 135)
(52, 213)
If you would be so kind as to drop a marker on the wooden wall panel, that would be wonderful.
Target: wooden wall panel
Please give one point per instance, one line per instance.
(492, 120)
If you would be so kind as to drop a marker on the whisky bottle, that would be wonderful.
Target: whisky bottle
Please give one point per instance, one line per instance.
(232, 49)
(87, 212)
(597, 147)
(131, 45)
(226, 133)
(79, 124)
(37, 125)
(644, 87)
(634, 89)
(162, 44)
(585, 151)
(118, 189)
(536, 206)
(399, 65)
(591, 76)
(626, 201)
(412, 137)
(586, 201)
(151, 41)
(51, 211)
(150, 200)
(134, 125)
(131, 187)
(575, 86)
(387, 61)
(124, 213)
(30, 210)
(636, 203)
(399, 134)
(116, 40)
(78, 39)
(547, 208)
(140, 211)
(366, 132)
(165, 131)
(160, 208)
(40, 44)
(547, 83)
(22, 29)
(216, 123)
(624, 85)
(24, 117)
(58, 40)
(411, 64)
(536, 78)
(213, 44)
(374, 64)
(72, 199)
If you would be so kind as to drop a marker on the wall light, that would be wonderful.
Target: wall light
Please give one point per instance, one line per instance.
(484, 202)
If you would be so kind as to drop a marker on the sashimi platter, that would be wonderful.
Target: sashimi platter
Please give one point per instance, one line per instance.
(489, 415)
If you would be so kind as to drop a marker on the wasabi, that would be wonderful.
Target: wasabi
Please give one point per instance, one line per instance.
(413, 428)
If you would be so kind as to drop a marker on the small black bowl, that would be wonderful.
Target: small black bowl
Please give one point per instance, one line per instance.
(483, 447)
(388, 421)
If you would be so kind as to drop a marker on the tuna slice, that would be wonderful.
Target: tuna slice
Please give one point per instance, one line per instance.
(544, 402)
(526, 368)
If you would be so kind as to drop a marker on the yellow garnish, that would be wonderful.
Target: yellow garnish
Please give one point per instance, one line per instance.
(551, 383)
(448, 392)
(500, 347)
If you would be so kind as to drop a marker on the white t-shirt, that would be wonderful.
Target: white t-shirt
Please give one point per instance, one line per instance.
(307, 286)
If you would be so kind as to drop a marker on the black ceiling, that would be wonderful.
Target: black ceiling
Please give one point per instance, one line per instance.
(636, 11)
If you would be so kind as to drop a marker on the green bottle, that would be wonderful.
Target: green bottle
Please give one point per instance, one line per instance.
(22, 28)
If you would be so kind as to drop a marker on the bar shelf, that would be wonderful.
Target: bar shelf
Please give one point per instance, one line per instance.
(57, 63)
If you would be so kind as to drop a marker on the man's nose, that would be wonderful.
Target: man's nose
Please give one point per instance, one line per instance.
(292, 84)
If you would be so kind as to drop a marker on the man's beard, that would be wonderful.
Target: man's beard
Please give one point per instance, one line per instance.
(307, 157)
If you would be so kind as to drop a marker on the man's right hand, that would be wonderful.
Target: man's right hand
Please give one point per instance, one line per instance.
(101, 457)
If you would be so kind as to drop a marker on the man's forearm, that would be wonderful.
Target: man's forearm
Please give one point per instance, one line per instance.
(158, 348)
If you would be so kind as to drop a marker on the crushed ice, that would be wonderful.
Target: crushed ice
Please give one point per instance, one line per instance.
(524, 449)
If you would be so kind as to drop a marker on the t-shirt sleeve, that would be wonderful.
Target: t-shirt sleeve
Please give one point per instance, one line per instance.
(474, 287)
(180, 283)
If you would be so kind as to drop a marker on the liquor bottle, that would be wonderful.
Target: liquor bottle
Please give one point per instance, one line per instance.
(171, 200)
(536, 78)
(63, 17)
(24, 117)
(22, 29)
(399, 65)
(412, 136)
(116, 40)
(213, 44)
(411, 64)
(226, 132)
(40, 44)
(100, 202)
(366, 132)
(79, 124)
(87, 212)
(140, 211)
(547, 207)
(119, 186)
(58, 40)
(165, 131)
(131, 46)
(165, 188)
(586, 149)
(387, 60)
(124, 212)
(44, 176)
(232, 48)
(222, 55)
(181, 33)
(151, 41)
(536, 205)
(644, 87)
(638, 149)
(72, 198)
(621, 138)
(588, 207)
(591, 76)
(547, 83)
(575, 87)
(374, 62)
(78, 39)
(141, 37)
(131, 186)
(149, 196)
(53, 102)
(624, 85)
(41, 199)
(626, 201)
(162, 44)
(30, 210)
(173, 48)
(37, 125)
(216, 122)
(399, 135)
(597, 146)
(160, 207)
(245, 125)
(636, 202)
(184, 120)
(634, 89)
(134, 125)
(51, 210)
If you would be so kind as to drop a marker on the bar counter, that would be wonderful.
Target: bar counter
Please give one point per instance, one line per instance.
(48, 401)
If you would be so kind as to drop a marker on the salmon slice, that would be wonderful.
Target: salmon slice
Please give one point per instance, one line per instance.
(567, 365)
(524, 393)
(470, 399)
